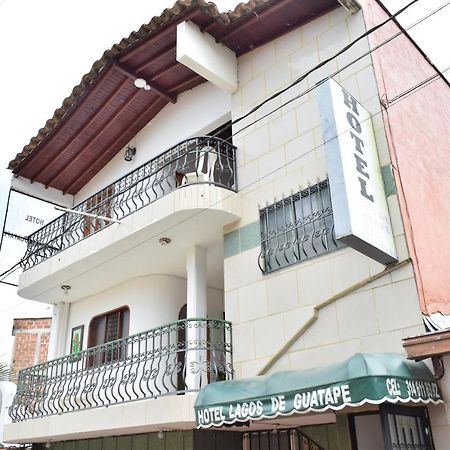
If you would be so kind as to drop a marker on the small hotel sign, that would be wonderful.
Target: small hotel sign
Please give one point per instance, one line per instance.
(360, 210)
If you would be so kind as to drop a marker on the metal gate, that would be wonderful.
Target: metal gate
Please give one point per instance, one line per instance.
(291, 439)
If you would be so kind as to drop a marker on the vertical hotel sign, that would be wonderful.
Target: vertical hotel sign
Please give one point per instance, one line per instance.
(361, 216)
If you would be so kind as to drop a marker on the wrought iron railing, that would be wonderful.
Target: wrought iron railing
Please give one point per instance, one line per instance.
(172, 359)
(201, 160)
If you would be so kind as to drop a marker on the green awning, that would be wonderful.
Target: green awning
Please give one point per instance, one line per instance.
(364, 378)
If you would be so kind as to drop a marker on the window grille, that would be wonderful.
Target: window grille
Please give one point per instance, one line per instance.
(297, 228)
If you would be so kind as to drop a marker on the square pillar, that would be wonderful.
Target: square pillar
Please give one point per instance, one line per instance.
(58, 331)
(197, 367)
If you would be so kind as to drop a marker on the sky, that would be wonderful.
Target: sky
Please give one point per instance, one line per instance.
(48, 45)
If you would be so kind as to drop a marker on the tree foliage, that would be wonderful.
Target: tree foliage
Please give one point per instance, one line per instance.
(7, 373)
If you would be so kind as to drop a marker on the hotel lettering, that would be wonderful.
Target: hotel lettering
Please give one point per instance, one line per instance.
(361, 164)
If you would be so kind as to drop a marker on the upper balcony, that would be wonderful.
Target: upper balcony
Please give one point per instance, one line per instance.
(184, 192)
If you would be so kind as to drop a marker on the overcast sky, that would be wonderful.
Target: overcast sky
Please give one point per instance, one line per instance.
(48, 45)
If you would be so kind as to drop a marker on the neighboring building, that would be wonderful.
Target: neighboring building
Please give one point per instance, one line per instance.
(31, 339)
(293, 243)
(30, 346)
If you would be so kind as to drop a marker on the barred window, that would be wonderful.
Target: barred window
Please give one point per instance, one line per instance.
(297, 228)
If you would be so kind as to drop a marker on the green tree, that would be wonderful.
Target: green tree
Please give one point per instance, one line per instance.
(7, 373)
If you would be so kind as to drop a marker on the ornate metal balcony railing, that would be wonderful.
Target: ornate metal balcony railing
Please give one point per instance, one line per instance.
(204, 160)
(172, 359)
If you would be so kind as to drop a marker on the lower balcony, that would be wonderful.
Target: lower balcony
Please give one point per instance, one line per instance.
(168, 361)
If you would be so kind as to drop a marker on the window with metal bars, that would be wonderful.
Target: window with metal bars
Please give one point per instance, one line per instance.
(106, 328)
(297, 228)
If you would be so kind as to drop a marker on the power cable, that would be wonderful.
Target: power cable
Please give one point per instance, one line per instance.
(326, 61)
(364, 55)
(413, 42)
(373, 29)
(8, 284)
(16, 266)
(13, 306)
(417, 87)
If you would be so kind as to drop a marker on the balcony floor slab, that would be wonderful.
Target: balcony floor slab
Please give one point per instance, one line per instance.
(169, 413)
(192, 215)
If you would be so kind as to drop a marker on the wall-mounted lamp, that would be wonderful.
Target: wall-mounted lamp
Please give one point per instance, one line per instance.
(165, 241)
(129, 153)
(140, 83)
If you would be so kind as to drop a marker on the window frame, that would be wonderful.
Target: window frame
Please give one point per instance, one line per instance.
(284, 244)
(123, 332)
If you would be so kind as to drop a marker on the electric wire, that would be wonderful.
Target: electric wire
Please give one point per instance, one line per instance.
(419, 86)
(364, 55)
(326, 61)
(365, 34)
(18, 264)
(8, 284)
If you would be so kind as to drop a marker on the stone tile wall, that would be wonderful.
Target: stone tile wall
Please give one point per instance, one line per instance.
(279, 154)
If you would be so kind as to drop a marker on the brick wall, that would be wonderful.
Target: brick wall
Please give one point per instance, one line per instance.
(31, 341)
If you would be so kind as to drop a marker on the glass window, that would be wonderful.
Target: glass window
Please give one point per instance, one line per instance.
(296, 228)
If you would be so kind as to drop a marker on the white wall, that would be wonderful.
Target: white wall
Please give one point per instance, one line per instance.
(196, 112)
(153, 301)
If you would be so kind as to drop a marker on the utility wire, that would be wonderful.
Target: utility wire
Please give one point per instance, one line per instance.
(17, 265)
(364, 55)
(417, 87)
(326, 61)
(8, 284)
(365, 34)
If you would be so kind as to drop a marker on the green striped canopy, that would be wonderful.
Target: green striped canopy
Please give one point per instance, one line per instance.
(364, 378)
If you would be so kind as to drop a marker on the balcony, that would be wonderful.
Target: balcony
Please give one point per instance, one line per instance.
(200, 160)
(170, 360)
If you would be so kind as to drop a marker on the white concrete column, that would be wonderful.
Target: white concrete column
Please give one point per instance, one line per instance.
(196, 360)
(196, 282)
(58, 331)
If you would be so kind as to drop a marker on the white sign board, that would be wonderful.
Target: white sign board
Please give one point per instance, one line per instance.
(361, 215)
(24, 216)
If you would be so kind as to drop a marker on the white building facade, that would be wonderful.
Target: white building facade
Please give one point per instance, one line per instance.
(221, 266)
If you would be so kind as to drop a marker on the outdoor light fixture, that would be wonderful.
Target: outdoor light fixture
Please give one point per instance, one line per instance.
(129, 153)
(165, 241)
(140, 83)
(66, 288)
(160, 434)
